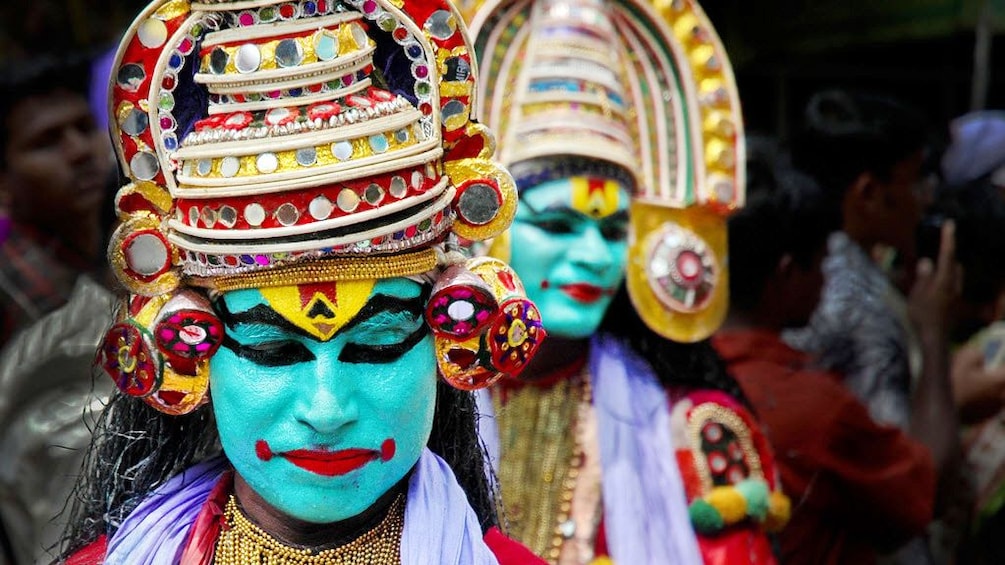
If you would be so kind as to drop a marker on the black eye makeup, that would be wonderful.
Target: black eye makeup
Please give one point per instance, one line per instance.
(276, 353)
(382, 353)
(615, 226)
(555, 222)
(265, 338)
(371, 326)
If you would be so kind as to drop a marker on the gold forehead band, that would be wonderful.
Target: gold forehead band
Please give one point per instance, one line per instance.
(328, 270)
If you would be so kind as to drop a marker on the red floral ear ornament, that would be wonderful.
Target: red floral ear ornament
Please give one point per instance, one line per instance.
(483, 324)
(159, 350)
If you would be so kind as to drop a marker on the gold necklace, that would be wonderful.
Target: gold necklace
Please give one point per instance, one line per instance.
(242, 543)
(540, 461)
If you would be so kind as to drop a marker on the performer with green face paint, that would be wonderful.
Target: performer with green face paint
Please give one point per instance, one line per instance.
(624, 440)
(301, 175)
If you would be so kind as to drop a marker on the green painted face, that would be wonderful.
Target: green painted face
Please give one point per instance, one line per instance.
(569, 248)
(324, 394)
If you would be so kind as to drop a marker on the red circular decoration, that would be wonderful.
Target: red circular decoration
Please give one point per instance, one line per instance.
(128, 359)
(189, 334)
(712, 432)
(515, 335)
(689, 266)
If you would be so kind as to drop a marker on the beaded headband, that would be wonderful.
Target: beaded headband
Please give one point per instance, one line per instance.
(278, 143)
(647, 87)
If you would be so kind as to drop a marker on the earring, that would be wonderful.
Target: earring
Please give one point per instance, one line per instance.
(159, 350)
(484, 328)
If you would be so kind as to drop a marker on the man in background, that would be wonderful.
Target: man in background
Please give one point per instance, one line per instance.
(55, 167)
(55, 164)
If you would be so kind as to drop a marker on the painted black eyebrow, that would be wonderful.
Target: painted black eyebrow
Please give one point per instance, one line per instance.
(620, 215)
(383, 303)
(260, 314)
(263, 315)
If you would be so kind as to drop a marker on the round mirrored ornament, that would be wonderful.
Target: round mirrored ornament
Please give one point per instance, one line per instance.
(147, 254)
(152, 33)
(135, 122)
(287, 214)
(218, 61)
(479, 204)
(144, 165)
(248, 58)
(130, 77)
(441, 24)
(289, 53)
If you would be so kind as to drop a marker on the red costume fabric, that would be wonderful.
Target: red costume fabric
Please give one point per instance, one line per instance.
(857, 487)
(745, 542)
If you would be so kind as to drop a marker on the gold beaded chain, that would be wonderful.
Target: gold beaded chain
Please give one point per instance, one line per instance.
(540, 461)
(242, 543)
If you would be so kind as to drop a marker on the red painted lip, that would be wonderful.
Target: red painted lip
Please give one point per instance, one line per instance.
(583, 292)
(330, 463)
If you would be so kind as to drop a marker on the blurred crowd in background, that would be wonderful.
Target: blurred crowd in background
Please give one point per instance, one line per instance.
(871, 244)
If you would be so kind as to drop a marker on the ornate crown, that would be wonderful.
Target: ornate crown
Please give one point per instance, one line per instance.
(274, 143)
(648, 88)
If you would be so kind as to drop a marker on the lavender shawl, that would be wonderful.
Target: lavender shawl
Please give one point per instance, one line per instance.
(440, 525)
(645, 507)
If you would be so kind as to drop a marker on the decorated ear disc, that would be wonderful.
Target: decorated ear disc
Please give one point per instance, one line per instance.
(676, 276)
(464, 364)
(188, 331)
(159, 350)
(516, 335)
(486, 198)
(180, 394)
(142, 258)
(484, 327)
(128, 356)
(461, 304)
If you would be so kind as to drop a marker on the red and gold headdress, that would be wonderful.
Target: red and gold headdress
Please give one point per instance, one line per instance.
(648, 88)
(275, 143)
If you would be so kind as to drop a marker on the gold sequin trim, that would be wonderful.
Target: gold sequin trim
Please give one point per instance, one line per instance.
(541, 458)
(328, 270)
(712, 412)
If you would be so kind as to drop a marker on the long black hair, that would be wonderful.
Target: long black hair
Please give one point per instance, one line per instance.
(687, 365)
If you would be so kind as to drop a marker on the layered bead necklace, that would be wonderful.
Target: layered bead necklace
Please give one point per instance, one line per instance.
(541, 459)
(242, 543)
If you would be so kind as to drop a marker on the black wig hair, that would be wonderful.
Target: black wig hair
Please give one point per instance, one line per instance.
(688, 365)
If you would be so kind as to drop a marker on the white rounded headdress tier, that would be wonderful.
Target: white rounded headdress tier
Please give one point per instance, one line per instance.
(300, 143)
(262, 134)
(647, 87)
(570, 86)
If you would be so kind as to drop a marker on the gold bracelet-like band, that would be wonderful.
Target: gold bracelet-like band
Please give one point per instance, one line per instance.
(327, 270)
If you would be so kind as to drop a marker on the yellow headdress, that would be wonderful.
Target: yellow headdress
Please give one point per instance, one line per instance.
(644, 87)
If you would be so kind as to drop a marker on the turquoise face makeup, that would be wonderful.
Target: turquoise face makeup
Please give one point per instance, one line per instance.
(322, 411)
(568, 244)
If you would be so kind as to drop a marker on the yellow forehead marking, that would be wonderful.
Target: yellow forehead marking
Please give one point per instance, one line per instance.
(320, 309)
(597, 198)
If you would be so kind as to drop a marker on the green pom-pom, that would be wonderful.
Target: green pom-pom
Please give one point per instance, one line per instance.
(704, 517)
(755, 492)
